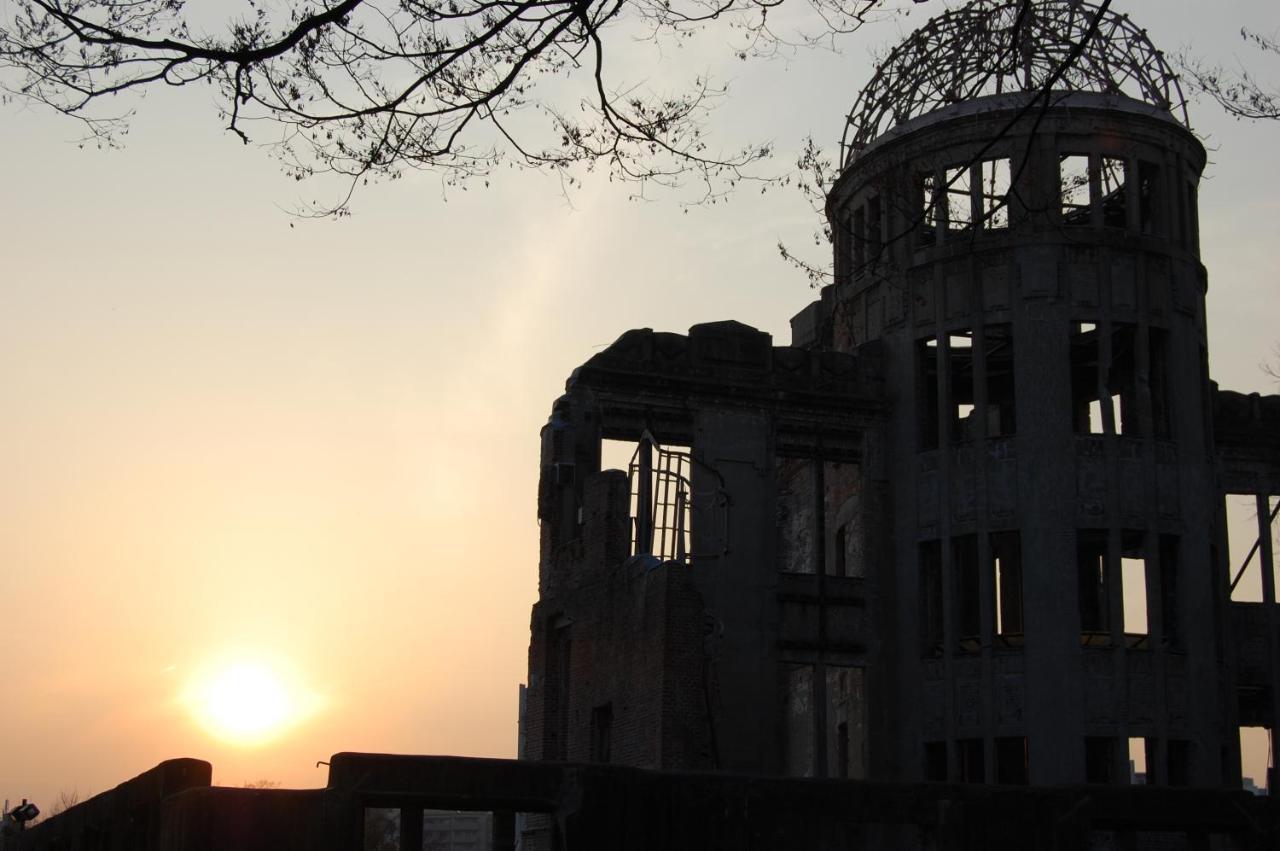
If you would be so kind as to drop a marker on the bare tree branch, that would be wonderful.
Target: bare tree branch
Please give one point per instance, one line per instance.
(1238, 92)
(366, 89)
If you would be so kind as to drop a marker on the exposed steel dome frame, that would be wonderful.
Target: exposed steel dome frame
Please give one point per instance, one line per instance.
(1007, 46)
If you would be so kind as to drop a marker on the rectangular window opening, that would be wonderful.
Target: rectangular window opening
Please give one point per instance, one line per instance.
(1178, 762)
(927, 360)
(841, 482)
(1148, 197)
(1114, 202)
(1001, 411)
(875, 236)
(1006, 553)
(935, 762)
(1011, 760)
(964, 421)
(1086, 402)
(1073, 177)
(959, 192)
(1091, 556)
(972, 761)
(798, 718)
(841, 554)
(617, 454)
(1170, 621)
(859, 241)
(1255, 759)
(928, 231)
(1244, 547)
(1122, 378)
(661, 508)
(797, 515)
(1133, 580)
(601, 732)
(964, 558)
(1097, 417)
(1140, 753)
(931, 623)
(995, 194)
(1158, 381)
(381, 829)
(559, 656)
(1099, 759)
(1193, 225)
(846, 723)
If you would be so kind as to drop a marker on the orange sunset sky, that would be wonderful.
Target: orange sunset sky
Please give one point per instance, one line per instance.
(306, 451)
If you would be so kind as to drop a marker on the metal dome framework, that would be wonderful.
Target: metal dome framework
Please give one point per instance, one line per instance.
(993, 47)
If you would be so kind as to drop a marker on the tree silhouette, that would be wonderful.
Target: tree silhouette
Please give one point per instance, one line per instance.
(370, 88)
(1238, 92)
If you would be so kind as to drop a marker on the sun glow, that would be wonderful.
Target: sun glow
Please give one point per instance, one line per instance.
(247, 702)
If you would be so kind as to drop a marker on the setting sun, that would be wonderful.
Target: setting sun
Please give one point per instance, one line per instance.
(247, 703)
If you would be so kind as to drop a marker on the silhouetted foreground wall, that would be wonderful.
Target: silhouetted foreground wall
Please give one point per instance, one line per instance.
(610, 808)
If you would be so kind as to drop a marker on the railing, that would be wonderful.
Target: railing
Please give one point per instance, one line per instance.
(661, 491)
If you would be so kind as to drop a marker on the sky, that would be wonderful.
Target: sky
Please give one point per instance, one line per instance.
(232, 436)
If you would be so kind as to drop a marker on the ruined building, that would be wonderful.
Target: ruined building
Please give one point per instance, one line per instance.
(928, 578)
(969, 526)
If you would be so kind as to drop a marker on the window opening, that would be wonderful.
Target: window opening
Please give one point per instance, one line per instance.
(617, 454)
(1133, 582)
(964, 559)
(959, 199)
(841, 547)
(1011, 760)
(960, 376)
(859, 240)
(927, 358)
(381, 829)
(1158, 363)
(1099, 759)
(559, 652)
(797, 702)
(995, 194)
(1178, 762)
(931, 622)
(843, 556)
(1073, 177)
(1122, 378)
(661, 503)
(842, 750)
(797, 519)
(846, 722)
(1148, 197)
(1006, 553)
(1141, 760)
(1112, 184)
(929, 209)
(1091, 556)
(874, 236)
(1255, 758)
(1193, 225)
(1086, 407)
(935, 762)
(1244, 545)
(972, 762)
(1170, 622)
(601, 732)
(1001, 413)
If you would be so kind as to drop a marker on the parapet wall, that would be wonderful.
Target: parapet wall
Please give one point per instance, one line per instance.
(609, 808)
